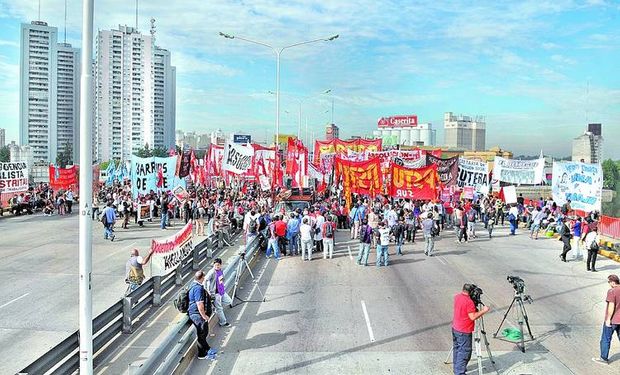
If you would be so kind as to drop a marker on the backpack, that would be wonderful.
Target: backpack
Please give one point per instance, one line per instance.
(329, 230)
(181, 303)
(366, 234)
(252, 226)
(471, 215)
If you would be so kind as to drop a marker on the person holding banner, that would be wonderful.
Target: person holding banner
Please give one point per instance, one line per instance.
(134, 272)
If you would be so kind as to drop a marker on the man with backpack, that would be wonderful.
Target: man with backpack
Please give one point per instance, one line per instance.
(365, 241)
(199, 310)
(328, 230)
(108, 218)
(398, 230)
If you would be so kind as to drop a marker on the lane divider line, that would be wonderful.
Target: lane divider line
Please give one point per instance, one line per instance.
(370, 333)
(350, 254)
(14, 300)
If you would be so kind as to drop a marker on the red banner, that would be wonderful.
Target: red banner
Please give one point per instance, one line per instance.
(296, 161)
(361, 177)
(214, 159)
(338, 146)
(421, 183)
(63, 178)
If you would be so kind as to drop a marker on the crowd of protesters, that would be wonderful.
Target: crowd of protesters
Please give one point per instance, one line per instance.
(40, 198)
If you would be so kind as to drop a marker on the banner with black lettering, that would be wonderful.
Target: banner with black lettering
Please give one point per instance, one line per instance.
(170, 252)
(446, 168)
(237, 158)
(514, 171)
(13, 177)
(473, 173)
(153, 173)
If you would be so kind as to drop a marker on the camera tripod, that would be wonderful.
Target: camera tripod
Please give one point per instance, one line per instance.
(519, 298)
(479, 335)
(240, 265)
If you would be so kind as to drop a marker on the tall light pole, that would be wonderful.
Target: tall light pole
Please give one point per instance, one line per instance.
(278, 52)
(86, 193)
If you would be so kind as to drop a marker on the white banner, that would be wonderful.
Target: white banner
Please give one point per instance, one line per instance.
(528, 172)
(237, 158)
(170, 252)
(473, 173)
(580, 183)
(265, 184)
(13, 177)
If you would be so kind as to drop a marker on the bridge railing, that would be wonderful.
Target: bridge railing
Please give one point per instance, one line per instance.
(120, 318)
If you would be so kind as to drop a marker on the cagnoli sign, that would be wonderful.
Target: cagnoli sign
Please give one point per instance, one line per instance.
(410, 121)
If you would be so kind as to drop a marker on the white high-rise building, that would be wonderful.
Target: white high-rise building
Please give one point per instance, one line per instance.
(135, 94)
(49, 91)
(164, 99)
(68, 94)
(2, 137)
(464, 132)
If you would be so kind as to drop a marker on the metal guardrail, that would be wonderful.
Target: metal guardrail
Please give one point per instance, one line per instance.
(167, 357)
(121, 316)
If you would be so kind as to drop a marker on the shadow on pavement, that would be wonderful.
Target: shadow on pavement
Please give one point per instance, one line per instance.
(272, 314)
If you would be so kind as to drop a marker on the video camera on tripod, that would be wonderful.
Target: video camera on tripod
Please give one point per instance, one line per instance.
(519, 286)
(475, 293)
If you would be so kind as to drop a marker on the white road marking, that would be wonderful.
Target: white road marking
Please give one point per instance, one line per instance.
(262, 272)
(441, 260)
(14, 299)
(350, 254)
(370, 333)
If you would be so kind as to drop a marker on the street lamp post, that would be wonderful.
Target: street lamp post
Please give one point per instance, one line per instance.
(278, 52)
(301, 101)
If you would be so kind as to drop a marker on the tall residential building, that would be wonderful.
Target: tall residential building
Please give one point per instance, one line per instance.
(164, 99)
(332, 132)
(589, 146)
(68, 95)
(135, 94)
(2, 137)
(49, 91)
(464, 132)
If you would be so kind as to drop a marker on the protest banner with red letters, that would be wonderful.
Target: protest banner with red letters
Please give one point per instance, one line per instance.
(421, 183)
(448, 169)
(337, 146)
(170, 252)
(13, 177)
(362, 177)
(63, 178)
(296, 161)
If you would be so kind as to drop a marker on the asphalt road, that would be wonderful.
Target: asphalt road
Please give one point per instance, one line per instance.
(334, 317)
(39, 273)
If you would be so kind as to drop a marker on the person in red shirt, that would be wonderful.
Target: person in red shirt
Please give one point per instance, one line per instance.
(465, 314)
(612, 318)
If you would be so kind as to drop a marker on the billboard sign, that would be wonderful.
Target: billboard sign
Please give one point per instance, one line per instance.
(242, 138)
(408, 121)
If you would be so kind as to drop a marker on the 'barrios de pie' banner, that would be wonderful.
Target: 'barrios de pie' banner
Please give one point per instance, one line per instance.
(421, 183)
(473, 173)
(13, 177)
(363, 177)
(237, 158)
(170, 252)
(580, 183)
(528, 172)
(446, 168)
(63, 178)
(153, 173)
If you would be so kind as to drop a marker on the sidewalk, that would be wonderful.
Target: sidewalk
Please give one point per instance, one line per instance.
(151, 330)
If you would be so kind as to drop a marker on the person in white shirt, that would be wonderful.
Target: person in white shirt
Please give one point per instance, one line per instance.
(513, 215)
(591, 241)
(318, 237)
(305, 231)
(383, 242)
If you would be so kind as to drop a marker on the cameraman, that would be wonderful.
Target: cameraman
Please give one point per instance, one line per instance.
(465, 313)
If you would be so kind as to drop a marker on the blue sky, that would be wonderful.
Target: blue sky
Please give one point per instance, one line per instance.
(538, 70)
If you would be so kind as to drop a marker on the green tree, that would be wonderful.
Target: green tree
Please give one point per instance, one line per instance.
(65, 157)
(5, 154)
(611, 175)
(160, 152)
(144, 152)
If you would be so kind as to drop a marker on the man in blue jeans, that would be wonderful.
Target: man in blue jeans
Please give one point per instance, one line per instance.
(612, 318)
(383, 242)
(199, 311)
(465, 314)
(164, 210)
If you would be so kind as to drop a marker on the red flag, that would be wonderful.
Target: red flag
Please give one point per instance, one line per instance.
(160, 177)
